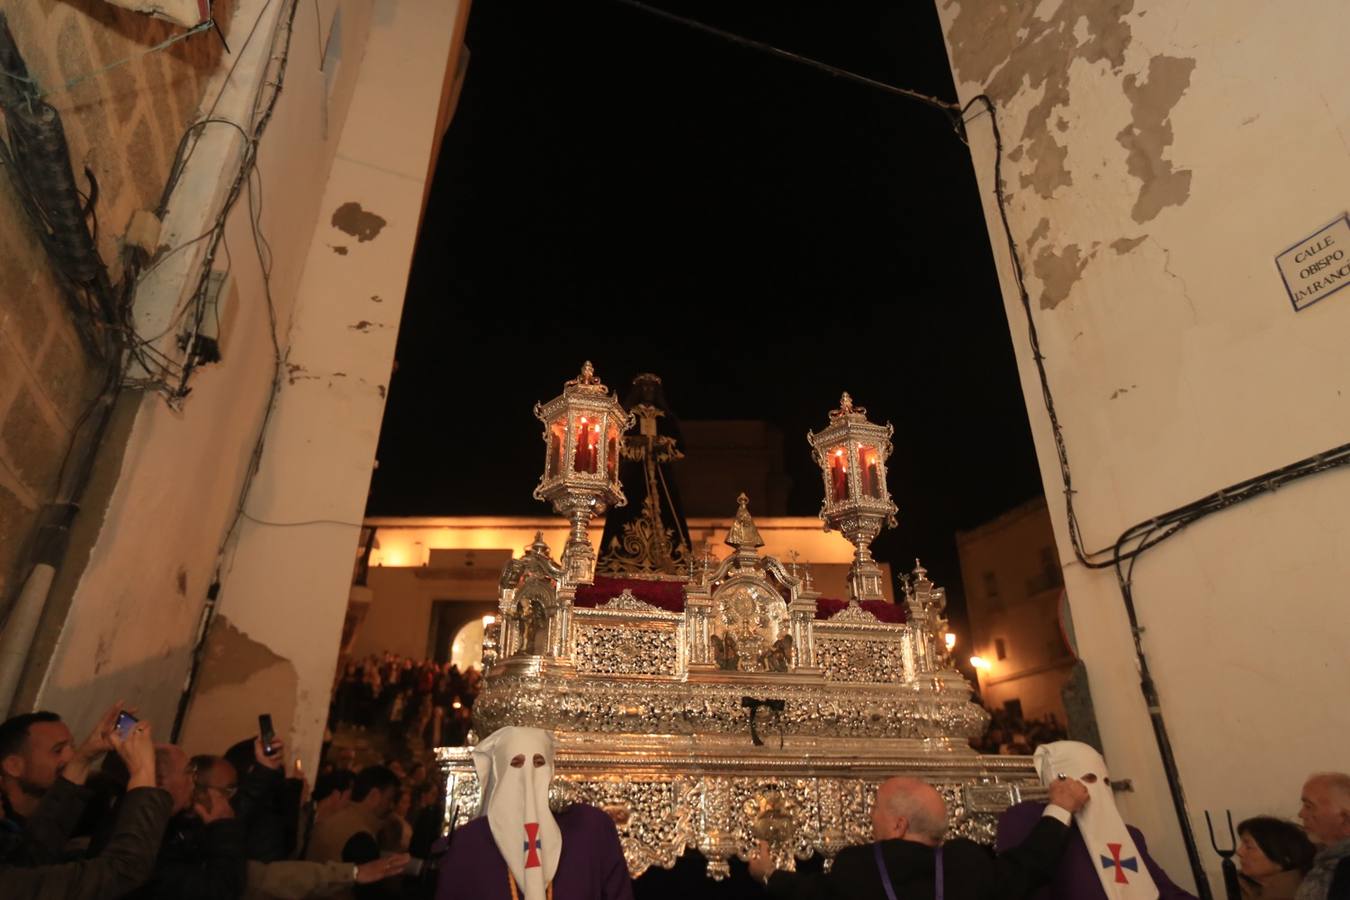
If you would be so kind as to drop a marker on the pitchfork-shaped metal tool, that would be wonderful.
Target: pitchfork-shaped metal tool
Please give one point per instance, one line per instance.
(1230, 875)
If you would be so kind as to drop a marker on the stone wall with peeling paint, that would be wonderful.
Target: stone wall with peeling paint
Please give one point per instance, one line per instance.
(290, 573)
(128, 605)
(138, 583)
(122, 127)
(1157, 156)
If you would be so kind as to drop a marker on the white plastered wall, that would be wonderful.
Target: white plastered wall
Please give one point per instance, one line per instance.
(134, 617)
(288, 582)
(1157, 157)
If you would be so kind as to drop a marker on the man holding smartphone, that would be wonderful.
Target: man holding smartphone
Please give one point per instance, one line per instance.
(127, 858)
(38, 755)
(267, 803)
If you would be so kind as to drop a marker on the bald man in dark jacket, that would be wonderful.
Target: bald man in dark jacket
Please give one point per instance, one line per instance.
(909, 820)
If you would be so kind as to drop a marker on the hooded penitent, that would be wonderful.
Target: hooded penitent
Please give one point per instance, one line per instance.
(515, 766)
(1116, 860)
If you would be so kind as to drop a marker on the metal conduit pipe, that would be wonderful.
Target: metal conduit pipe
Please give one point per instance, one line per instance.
(20, 627)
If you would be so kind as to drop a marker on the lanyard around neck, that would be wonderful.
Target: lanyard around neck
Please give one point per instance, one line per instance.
(886, 876)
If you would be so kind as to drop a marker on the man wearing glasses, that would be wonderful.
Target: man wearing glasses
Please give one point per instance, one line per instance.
(203, 852)
(216, 784)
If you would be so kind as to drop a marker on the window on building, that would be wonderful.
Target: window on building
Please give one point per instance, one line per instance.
(1000, 648)
(990, 585)
(1050, 566)
(1013, 708)
(1049, 575)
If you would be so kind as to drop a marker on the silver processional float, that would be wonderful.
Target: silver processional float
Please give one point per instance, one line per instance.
(732, 705)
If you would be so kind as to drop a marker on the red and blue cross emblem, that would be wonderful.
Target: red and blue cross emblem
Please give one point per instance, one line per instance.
(532, 845)
(1120, 865)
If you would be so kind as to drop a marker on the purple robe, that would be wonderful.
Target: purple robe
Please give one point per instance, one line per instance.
(591, 866)
(1075, 879)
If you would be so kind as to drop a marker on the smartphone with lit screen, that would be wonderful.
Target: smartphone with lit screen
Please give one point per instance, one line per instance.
(125, 722)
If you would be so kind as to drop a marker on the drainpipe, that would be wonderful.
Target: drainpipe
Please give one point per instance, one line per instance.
(22, 623)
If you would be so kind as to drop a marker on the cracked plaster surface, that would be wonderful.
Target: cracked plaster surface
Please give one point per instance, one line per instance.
(1149, 134)
(232, 657)
(1058, 271)
(1022, 50)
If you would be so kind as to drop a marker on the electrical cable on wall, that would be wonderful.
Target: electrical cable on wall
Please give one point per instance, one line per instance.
(38, 163)
(39, 91)
(64, 218)
(264, 104)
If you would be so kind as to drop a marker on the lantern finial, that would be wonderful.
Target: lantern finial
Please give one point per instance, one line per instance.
(587, 379)
(846, 409)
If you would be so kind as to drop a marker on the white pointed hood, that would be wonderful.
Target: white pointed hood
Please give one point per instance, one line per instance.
(515, 766)
(1115, 858)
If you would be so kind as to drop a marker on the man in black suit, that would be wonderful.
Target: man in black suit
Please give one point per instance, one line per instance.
(909, 856)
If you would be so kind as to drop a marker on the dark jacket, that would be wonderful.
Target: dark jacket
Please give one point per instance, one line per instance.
(970, 870)
(266, 807)
(1340, 882)
(40, 839)
(123, 865)
(199, 860)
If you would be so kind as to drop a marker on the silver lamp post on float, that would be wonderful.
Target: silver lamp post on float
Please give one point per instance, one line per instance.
(583, 427)
(852, 454)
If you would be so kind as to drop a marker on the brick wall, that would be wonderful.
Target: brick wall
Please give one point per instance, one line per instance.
(124, 126)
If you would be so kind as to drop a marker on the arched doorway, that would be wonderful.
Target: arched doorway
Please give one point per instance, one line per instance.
(448, 620)
(466, 648)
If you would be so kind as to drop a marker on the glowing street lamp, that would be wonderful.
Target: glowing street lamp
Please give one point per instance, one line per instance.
(979, 662)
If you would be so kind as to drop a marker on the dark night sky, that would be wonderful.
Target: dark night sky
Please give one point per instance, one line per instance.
(619, 188)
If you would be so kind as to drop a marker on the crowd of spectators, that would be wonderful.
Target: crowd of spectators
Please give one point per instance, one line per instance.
(1009, 734)
(407, 700)
(120, 816)
(153, 823)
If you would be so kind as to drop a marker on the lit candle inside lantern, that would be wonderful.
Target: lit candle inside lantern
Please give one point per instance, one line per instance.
(869, 471)
(585, 457)
(838, 476)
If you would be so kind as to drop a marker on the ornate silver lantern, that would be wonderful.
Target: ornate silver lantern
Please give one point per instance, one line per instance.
(582, 430)
(852, 454)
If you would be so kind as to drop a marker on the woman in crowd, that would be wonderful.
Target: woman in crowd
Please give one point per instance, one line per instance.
(1273, 855)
